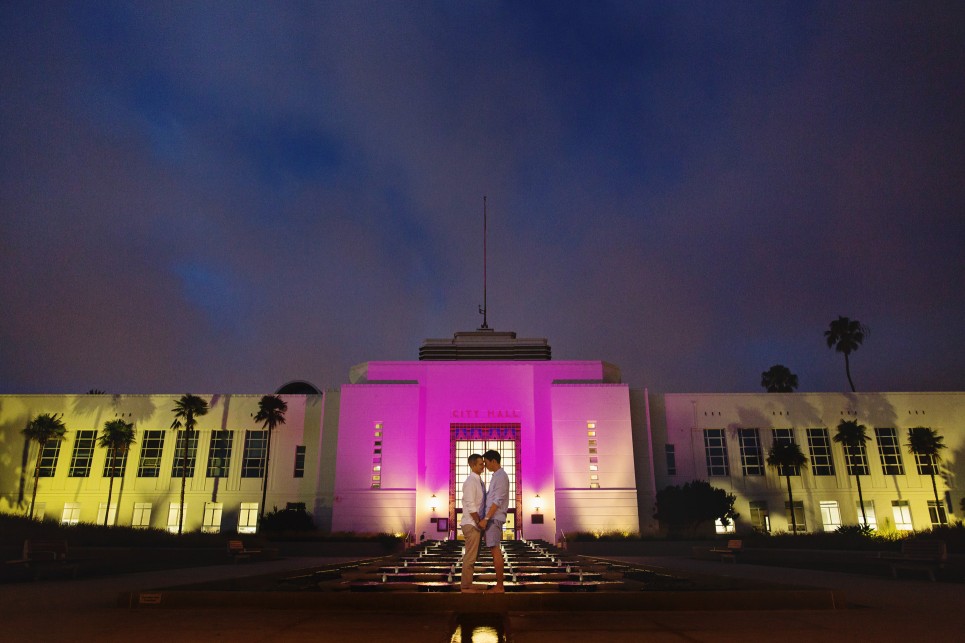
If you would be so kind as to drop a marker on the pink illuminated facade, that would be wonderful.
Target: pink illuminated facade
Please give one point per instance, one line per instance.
(564, 429)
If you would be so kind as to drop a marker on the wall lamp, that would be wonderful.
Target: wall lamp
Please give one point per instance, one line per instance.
(433, 503)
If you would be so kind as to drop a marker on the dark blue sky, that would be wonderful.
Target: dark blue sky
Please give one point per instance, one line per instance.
(221, 197)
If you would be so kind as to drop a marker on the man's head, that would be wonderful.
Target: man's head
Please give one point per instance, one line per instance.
(476, 463)
(491, 458)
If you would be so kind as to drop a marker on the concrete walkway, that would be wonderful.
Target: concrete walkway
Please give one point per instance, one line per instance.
(881, 609)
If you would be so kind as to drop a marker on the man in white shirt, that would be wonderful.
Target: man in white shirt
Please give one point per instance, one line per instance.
(473, 497)
(497, 501)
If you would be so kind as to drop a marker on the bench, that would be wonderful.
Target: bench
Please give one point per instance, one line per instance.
(730, 552)
(43, 555)
(238, 551)
(919, 555)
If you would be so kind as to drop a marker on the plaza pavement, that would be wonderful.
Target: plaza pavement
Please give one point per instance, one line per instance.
(878, 609)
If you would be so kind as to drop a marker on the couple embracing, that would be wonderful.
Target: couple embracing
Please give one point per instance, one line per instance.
(483, 515)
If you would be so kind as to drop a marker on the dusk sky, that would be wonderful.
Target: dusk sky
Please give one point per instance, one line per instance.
(219, 197)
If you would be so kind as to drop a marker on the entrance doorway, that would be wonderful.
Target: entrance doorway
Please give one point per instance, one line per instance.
(466, 439)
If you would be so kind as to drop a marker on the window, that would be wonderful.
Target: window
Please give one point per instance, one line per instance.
(890, 452)
(212, 518)
(71, 515)
(715, 447)
(925, 465)
(857, 459)
(752, 464)
(668, 450)
(185, 458)
(786, 436)
(802, 525)
(869, 514)
(377, 458)
(119, 459)
(102, 513)
(760, 519)
(830, 515)
(253, 458)
(936, 513)
(299, 462)
(83, 454)
(248, 518)
(174, 514)
(48, 459)
(142, 515)
(819, 444)
(39, 509)
(721, 528)
(902, 514)
(149, 466)
(219, 454)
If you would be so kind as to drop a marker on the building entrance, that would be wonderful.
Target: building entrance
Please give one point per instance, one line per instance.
(466, 439)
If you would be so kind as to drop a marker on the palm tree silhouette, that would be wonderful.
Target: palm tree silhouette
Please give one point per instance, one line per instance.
(926, 443)
(43, 429)
(117, 436)
(786, 457)
(852, 437)
(186, 411)
(779, 379)
(845, 336)
(271, 413)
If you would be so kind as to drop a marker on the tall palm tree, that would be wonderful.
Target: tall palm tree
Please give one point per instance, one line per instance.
(852, 437)
(271, 413)
(926, 443)
(779, 379)
(845, 336)
(117, 437)
(786, 457)
(186, 411)
(43, 429)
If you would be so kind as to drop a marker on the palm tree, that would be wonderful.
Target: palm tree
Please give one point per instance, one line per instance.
(271, 413)
(43, 429)
(779, 379)
(186, 411)
(787, 457)
(845, 336)
(117, 437)
(925, 442)
(852, 437)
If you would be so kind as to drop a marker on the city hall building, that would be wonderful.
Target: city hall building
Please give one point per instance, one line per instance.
(387, 451)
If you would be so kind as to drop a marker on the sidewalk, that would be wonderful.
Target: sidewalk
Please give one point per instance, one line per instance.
(881, 609)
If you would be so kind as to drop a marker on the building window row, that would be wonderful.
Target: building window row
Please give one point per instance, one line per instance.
(141, 515)
(831, 519)
(821, 461)
(377, 456)
(593, 454)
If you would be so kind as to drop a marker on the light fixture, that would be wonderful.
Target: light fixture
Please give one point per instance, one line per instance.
(433, 503)
(537, 504)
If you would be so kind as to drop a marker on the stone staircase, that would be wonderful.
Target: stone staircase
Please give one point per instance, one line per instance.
(435, 566)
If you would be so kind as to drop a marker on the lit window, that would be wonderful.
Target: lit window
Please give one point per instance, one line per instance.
(591, 425)
(591, 434)
(142, 515)
(592, 443)
(594, 485)
(594, 467)
(721, 528)
(378, 434)
(71, 515)
(102, 513)
(594, 476)
(248, 518)
(376, 477)
(212, 518)
(902, 513)
(378, 425)
(869, 513)
(830, 515)
(174, 513)
(377, 467)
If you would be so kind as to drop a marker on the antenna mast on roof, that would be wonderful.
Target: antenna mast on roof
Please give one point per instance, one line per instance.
(483, 309)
